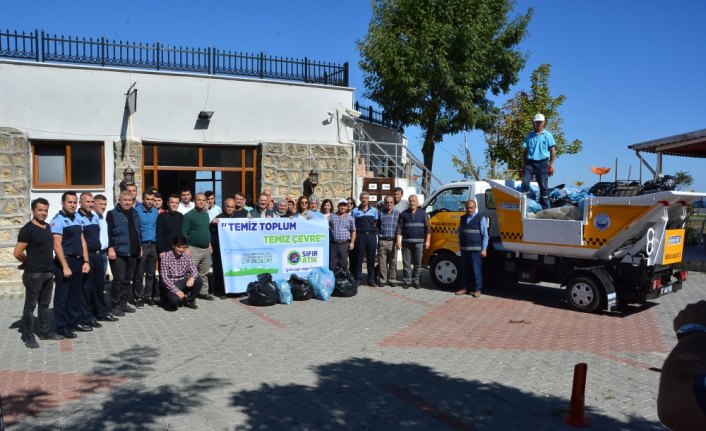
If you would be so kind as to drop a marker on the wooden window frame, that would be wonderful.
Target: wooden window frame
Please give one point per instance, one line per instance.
(155, 167)
(68, 181)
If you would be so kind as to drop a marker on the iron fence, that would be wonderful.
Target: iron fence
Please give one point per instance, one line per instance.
(367, 113)
(42, 47)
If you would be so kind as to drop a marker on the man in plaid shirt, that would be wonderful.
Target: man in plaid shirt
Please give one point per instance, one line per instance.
(387, 252)
(179, 275)
(342, 236)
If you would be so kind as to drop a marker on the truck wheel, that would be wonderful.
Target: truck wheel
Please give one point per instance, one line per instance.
(445, 271)
(583, 294)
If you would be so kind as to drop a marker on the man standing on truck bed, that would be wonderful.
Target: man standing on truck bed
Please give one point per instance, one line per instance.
(538, 155)
(473, 241)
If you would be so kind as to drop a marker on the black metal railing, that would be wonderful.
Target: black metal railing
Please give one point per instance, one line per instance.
(19, 45)
(367, 113)
(42, 47)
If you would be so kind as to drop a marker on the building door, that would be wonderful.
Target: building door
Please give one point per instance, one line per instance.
(224, 169)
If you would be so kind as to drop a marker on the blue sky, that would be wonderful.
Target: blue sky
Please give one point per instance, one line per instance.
(631, 70)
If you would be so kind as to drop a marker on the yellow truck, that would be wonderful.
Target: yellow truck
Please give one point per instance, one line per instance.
(613, 250)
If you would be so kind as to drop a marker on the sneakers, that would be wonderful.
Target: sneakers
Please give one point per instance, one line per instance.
(118, 311)
(192, 305)
(126, 308)
(139, 304)
(476, 294)
(30, 342)
(460, 292)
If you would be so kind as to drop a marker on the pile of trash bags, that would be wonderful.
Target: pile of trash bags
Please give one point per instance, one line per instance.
(562, 196)
(321, 284)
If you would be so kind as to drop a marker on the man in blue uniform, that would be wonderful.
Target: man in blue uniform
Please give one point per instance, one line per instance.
(365, 217)
(473, 240)
(538, 158)
(93, 287)
(70, 264)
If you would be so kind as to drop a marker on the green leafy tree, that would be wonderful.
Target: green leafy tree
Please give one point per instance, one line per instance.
(515, 122)
(683, 179)
(433, 63)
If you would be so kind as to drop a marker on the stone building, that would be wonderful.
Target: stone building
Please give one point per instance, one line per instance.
(70, 126)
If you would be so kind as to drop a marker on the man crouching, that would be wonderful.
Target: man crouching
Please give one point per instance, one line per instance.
(179, 275)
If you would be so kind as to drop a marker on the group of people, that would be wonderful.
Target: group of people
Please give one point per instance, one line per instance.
(70, 255)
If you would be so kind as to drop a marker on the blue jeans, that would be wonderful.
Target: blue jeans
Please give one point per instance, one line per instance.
(471, 262)
(538, 169)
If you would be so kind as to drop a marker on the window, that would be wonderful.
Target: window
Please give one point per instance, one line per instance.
(61, 164)
(225, 169)
(452, 199)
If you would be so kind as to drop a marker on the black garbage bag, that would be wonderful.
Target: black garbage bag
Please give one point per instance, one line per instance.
(263, 292)
(301, 288)
(346, 283)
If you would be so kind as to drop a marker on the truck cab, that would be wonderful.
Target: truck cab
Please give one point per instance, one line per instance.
(445, 207)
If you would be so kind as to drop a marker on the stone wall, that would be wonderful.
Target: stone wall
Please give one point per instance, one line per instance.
(14, 204)
(285, 167)
(127, 153)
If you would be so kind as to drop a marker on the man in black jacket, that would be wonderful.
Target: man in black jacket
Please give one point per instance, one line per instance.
(124, 239)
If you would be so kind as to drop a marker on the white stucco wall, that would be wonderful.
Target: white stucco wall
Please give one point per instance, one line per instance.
(60, 102)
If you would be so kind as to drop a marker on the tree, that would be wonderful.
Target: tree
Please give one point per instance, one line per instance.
(683, 179)
(433, 63)
(466, 166)
(515, 121)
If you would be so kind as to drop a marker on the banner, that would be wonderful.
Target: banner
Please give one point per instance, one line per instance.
(281, 247)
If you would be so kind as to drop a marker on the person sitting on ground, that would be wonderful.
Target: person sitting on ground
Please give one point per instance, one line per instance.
(179, 275)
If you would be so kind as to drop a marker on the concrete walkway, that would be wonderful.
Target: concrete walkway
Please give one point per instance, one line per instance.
(387, 359)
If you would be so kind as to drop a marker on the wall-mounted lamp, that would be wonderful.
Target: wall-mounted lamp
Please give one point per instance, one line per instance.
(313, 179)
(205, 115)
(129, 176)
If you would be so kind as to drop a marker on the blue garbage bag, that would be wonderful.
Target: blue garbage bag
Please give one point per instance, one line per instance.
(533, 206)
(284, 290)
(323, 282)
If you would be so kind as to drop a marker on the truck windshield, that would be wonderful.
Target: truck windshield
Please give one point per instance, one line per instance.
(451, 199)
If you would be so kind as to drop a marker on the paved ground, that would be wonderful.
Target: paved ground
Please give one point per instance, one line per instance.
(387, 359)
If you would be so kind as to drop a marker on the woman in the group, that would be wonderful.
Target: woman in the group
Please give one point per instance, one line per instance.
(303, 208)
(326, 208)
(283, 209)
(351, 204)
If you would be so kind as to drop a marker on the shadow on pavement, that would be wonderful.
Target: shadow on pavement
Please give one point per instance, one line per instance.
(368, 394)
(550, 296)
(139, 402)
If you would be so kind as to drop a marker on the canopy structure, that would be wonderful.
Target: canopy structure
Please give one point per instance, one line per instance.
(690, 144)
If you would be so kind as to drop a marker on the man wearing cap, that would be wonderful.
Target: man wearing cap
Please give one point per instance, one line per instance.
(538, 155)
(342, 236)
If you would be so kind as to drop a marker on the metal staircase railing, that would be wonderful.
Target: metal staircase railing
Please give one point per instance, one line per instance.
(393, 160)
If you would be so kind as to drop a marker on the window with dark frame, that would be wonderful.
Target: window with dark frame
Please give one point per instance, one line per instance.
(68, 164)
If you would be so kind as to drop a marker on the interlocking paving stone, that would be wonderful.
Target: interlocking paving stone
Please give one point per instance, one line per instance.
(330, 366)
